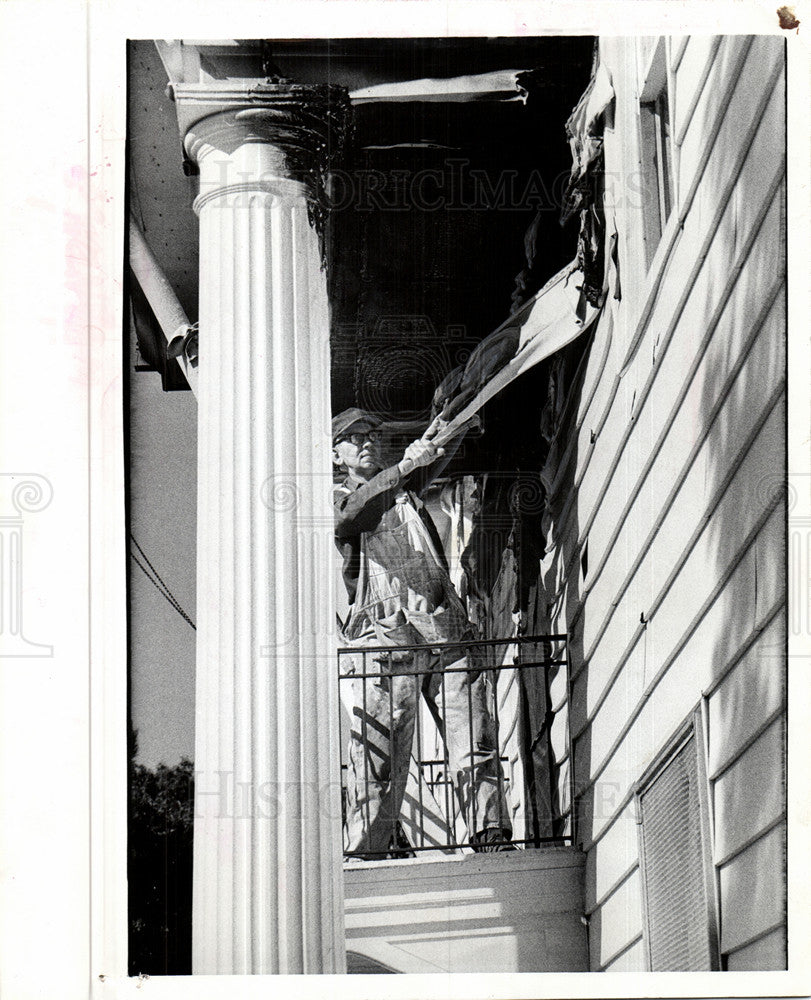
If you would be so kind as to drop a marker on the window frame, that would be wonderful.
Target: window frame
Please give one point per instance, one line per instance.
(658, 151)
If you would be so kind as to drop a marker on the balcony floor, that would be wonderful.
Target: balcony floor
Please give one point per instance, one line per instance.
(517, 911)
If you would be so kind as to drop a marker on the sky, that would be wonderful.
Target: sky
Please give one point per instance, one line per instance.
(163, 498)
(163, 437)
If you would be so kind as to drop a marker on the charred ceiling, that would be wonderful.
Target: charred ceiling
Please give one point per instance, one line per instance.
(444, 214)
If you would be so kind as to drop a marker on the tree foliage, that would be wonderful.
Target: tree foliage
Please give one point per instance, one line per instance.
(160, 868)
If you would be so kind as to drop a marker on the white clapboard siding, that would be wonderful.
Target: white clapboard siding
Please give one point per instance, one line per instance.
(683, 498)
(741, 71)
(617, 924)
(613, 858)
(667, 476)
(687, 385)
(592, 555)
(691, 546)
(700, 54)
(749, 902)
(720, 308)
(663, 515)
(745, 697)
(759, 954)
(746, 789)
(632, 959)
(655, 691)
(698, 299)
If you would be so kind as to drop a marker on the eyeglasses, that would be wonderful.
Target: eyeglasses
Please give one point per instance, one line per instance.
(361, 437)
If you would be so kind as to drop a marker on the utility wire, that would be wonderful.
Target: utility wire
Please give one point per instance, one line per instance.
(149, 564)
(164, 593)
(167, 594)
(157, 581)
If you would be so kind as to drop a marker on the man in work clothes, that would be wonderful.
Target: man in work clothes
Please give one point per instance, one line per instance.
(400, 594)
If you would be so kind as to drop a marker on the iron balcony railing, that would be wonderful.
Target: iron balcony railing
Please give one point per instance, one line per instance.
(379, 683)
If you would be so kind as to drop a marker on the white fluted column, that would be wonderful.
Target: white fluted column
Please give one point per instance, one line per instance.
(268, 889)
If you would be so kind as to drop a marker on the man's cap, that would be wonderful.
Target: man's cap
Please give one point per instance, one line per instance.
(344, 421)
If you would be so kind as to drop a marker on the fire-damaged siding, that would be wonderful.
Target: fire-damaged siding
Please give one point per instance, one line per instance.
(665, 529)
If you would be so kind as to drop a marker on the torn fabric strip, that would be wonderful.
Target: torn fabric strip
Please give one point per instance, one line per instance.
(554, 318)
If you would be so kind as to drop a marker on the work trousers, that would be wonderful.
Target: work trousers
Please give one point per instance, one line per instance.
(384, 713)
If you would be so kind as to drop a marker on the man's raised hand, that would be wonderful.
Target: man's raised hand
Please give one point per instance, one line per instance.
(421, 452)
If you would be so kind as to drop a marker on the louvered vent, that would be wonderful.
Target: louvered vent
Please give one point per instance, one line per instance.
(679, 929)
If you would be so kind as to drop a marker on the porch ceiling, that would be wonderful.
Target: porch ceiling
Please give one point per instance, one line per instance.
(432, 202)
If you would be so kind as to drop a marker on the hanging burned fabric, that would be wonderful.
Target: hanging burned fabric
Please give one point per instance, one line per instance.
(569, 303)
(584, 191)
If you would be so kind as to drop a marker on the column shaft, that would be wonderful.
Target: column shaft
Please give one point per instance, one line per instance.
(268, 892)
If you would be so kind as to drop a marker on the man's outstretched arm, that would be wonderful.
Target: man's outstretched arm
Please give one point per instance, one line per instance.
(361, 509)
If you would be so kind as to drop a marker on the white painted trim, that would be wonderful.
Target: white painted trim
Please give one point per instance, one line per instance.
(412, 870)
(654, 76)
(498, 85)
(672, 233)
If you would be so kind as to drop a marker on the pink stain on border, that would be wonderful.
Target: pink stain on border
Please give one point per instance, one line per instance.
(75, 233)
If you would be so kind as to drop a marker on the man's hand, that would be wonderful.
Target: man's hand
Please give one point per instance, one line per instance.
(423, 451)
(417, 454)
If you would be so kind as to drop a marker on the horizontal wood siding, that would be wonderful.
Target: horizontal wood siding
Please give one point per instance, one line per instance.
(630, 960)
(750, 900)
(747, 799)
(666, 472)
(753, 691)
(759, 954)
(616, 924)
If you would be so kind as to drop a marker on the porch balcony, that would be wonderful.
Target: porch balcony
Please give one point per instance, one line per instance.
(429, 902)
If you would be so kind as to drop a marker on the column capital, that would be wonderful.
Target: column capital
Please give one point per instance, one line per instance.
(301, 128)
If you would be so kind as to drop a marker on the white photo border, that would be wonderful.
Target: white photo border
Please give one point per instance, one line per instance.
(67, 117)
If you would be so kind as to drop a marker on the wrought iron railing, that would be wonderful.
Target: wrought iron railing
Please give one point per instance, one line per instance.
(381, 685)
